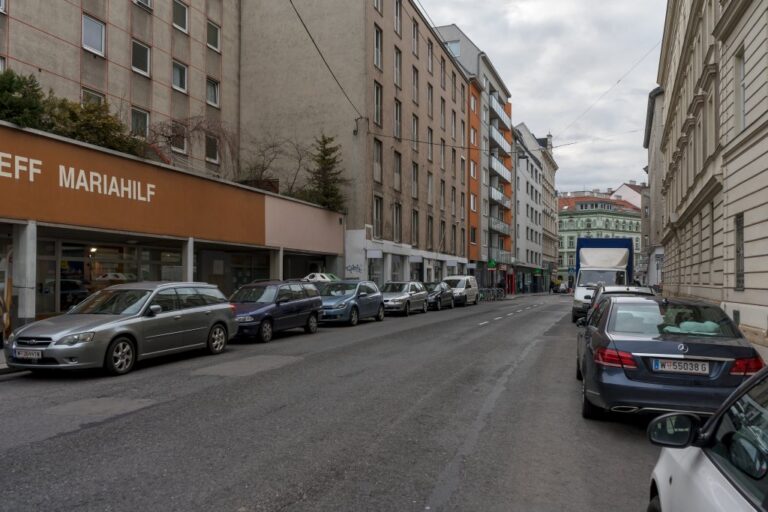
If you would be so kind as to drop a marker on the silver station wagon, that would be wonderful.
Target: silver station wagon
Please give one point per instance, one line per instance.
(125, 323)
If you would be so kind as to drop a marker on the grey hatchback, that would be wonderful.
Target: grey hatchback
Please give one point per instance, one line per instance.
(119, 325)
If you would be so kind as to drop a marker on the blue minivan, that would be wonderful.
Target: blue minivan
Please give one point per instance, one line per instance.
(263, 308)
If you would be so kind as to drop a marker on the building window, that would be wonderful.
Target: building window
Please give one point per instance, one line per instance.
(211, 149)
(473, 136)
(442, 194)
(473, 235)
(377, 216)
(180, 16)
(463, 170)
(139, 123)
(178, 138)
(463, 98)
(741, 90)
(430, 232)
(442, 72)
(415, 133)
(377, 101)
(473, 169)
(398, 119)
(398, 67)
(399, 17)
(214, 36)
(93, 35)
(453, 85)
(430, 189)
(463, 206)
(473, 103)
(463, 246)
(473, 202)
(377, 4)
(415, 181)
(442, 113)
(430, 100)
(442, 154)
(430, 55)
(378, 148)
(89, 97)
(377, 46)
(415, 228)
(179, 77)
(430, 144)
(415, 41)
(415, 85)
(453, 124)
(397, 222)
(397, 164)
(739, 221)
(453, 162)
(145, 3)
(453, 239)
(140, 58)
(212, 92)
(2, 64)
(453, 200)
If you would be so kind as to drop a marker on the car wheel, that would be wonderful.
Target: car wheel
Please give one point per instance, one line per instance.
(477, 299)
(311, 327)
(217, 339)
(380, 314)
(354, 316)
(438, 304)
(407, 310)
(573, 318)
(654, 505)
(120, 356)
(588, 410)
(453, 302)
(265, 331)
(426, 307)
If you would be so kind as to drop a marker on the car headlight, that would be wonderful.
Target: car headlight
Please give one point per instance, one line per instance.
(11, 338)
(397, 301)
(74, 339)
(458, 292)
(246, 318)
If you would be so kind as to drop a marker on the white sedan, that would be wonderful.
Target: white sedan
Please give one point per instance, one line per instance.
(717, 466)
(321, 277)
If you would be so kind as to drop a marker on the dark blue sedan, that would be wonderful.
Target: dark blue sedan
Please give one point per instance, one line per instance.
(351, 301)
(649, 354)
(266, 307)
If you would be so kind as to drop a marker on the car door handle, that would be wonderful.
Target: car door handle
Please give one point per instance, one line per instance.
(177, 317)
(208, 312)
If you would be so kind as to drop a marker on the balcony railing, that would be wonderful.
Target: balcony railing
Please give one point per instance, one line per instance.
(499, 168)
(498, 110)
(498, 225)
(498, 138)
(498, 196)
(501, 256)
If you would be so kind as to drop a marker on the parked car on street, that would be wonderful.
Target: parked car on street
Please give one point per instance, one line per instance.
(603, 290)
(321, 277)
(122, 324)
(717, 466)
(440, 296)
(465, 290)
(405, 297)
(263, 308)
(648, 354)
(351, 301)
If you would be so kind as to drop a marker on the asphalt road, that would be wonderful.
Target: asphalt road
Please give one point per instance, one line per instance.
(475, 409)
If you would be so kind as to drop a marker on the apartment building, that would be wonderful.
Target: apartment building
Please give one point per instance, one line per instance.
(401, 121)
(493, 135)
(168, 68)
(714, 76)
(594, 214)
(529, 212)
(550, 251)
(654, 248)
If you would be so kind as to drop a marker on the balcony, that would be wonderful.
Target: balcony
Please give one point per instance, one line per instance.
(499, 226)
(497, 138)
(497, 109)
(499, 168)
(498, 196)
(501, 256)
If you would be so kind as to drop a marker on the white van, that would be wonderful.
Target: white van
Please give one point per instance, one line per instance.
(465, 290)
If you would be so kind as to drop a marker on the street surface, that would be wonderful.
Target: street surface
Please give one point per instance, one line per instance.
(475, 409)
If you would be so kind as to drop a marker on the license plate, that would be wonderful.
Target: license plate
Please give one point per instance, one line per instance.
(681, 366)
(28, 354)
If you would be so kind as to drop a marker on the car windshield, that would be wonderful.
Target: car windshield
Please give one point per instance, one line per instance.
(395, 287)
(454, 283)
(654, 318)
(431, 286)
(112, 302)
(257, 294)
(606, 277)
(337, 289)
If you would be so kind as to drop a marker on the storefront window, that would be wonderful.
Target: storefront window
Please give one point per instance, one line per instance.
(397, 268)
(376, 271)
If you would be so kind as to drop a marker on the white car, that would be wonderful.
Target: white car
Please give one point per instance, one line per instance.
(321, 277)
(717, 466)
(465, 290)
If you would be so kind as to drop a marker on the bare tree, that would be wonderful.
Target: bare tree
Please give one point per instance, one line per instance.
(260, 164)
(300, 155)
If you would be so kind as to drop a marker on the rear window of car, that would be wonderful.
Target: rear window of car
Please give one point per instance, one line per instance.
(658, 318)
(212, 296)
(311, 290)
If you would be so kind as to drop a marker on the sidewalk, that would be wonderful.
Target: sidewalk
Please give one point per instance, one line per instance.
(4, 367)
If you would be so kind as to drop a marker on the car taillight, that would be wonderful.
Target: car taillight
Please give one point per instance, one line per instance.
(747, 366)
(233, 308)
(614, 358)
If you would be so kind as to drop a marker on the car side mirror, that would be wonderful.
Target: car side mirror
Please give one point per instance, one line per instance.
(155, 309)
(581, 322)
(746, 456)
(674, 430)
(363, 294)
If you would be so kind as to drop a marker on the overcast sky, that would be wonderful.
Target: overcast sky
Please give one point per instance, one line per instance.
(557, 57)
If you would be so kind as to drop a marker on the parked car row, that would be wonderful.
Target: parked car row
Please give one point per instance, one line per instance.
(117, 326)
(684, 359)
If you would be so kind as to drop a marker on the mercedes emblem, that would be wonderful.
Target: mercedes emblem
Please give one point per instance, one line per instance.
(683, 348)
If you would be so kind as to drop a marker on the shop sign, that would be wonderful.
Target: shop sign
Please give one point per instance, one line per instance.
(491, 264)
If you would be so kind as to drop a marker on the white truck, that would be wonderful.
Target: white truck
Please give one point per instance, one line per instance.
(606, 261)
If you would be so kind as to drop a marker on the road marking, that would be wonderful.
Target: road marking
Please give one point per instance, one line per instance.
(483, 323)
(519, 311)
(498, 318)
(510, 314)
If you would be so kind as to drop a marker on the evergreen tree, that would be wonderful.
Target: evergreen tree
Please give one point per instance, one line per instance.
(325, 179)
(21, 100)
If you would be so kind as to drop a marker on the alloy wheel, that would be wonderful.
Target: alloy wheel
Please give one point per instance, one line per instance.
(122, 356)
(217, 340)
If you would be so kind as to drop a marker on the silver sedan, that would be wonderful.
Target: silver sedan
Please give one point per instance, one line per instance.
(122, 324)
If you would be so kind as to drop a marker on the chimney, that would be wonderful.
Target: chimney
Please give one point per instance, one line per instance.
(632, 182)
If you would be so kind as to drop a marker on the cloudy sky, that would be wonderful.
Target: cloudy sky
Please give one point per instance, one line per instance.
(558, 57)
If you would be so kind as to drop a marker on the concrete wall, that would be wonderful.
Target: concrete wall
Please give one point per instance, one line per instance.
(297, 226)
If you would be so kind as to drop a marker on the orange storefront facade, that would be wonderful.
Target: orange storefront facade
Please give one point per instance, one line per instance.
(75, 218)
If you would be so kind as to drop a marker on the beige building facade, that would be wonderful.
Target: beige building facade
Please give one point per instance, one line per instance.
(715, 153)
(160, 64)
